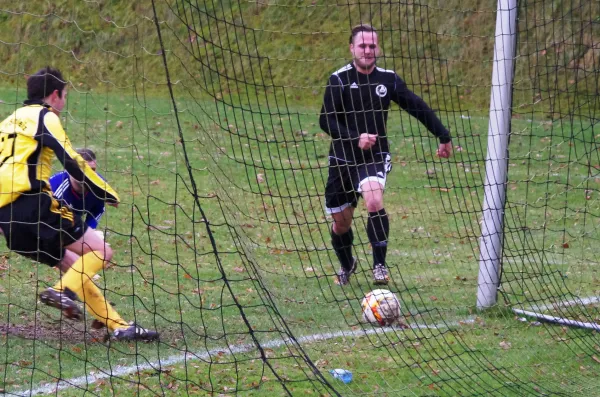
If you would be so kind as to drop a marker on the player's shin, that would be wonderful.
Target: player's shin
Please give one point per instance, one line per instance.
(82, 270)
(342, 245)
(78, 279)
(97, 306)
(378, 229)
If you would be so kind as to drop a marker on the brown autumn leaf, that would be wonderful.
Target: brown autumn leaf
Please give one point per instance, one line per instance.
(565, 245)
(505, 345)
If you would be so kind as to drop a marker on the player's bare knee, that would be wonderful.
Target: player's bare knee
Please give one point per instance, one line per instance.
(341, 228)
(105, 253)
(374, 204)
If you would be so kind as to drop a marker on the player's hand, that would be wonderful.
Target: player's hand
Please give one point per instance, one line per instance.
(444, 150)
(366, 141)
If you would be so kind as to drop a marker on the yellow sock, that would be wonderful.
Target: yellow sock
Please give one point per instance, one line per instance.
(97, 306)
(82, 270)
(79, 280)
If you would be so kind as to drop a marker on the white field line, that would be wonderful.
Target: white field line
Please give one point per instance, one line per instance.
(120, 371)
(574, 302)
(558, 320)
(561, 320)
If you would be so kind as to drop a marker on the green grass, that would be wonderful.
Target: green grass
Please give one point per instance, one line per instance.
(271, 261)
(221, 235)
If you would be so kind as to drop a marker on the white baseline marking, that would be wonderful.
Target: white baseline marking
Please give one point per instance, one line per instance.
(119, 371)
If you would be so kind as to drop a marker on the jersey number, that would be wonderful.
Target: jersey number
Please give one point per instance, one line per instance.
(7, 147)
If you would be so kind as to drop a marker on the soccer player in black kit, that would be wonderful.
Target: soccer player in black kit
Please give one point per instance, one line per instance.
(354, 114)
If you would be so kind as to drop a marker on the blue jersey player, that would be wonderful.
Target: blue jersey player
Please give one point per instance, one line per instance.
(67, 189)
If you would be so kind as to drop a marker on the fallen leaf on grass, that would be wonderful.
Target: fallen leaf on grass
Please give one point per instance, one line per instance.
(505, 345)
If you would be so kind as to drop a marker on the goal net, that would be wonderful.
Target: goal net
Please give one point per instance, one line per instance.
(204, 116)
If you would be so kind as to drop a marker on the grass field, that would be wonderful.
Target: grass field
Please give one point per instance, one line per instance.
(221, 243)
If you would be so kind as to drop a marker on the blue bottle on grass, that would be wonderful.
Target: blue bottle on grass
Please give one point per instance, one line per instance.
(342, 374)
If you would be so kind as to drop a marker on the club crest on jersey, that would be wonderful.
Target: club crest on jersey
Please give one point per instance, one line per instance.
(381, 90)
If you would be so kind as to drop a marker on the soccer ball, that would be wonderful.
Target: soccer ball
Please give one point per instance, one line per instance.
(381, 307)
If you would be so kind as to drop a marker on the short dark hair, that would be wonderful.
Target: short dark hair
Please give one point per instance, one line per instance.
(363, 27)
(43, 83)
(87, 154)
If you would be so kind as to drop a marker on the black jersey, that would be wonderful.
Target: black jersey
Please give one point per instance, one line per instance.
(356, 103)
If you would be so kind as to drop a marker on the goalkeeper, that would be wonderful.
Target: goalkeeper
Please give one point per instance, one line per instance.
(38, 226)
(72, 192)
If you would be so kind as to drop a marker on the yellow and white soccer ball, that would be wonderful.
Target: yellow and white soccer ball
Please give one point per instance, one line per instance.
(381, 307)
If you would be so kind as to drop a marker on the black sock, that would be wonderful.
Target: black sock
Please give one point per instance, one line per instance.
(342, 245)
(378, 229)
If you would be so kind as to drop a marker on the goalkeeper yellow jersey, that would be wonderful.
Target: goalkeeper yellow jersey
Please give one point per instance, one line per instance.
(29, 140)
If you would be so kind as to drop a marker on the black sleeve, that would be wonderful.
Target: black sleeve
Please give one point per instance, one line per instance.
(333, 117)
(51, 134)
(416, 107)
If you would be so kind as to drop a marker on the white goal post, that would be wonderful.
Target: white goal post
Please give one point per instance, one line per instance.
(490, 244)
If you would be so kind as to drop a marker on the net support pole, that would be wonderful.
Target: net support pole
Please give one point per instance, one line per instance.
(490, 244)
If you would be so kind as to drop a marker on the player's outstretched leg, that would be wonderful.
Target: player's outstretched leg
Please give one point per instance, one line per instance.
(105, 313)
(79, 280)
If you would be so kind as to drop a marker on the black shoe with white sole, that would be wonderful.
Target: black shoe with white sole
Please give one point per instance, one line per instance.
(135, 332)
(61, 301)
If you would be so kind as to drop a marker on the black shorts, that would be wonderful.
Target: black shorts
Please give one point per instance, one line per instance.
(345, 179)
(39, 227)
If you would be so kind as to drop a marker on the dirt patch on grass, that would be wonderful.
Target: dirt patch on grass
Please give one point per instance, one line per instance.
(71, 332)
(61, 330)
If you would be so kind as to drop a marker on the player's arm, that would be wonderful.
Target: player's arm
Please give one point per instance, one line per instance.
(52, 135)
(333, 117)
(416, 107)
